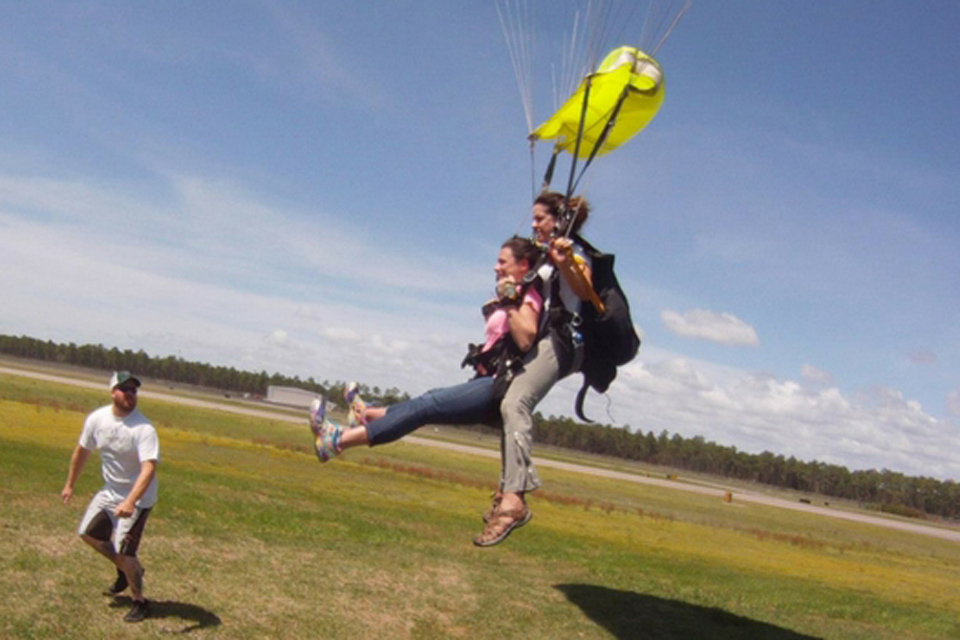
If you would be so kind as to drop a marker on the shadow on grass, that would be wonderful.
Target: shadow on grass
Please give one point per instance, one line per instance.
(626, 615)
(198, 617)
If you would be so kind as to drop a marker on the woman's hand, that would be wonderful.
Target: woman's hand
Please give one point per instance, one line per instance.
(561, 251)
(507, 290)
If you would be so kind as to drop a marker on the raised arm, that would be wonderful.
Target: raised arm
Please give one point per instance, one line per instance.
(523, 321)
(575, 272)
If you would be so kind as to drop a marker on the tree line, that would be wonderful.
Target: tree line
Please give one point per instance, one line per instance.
(886, 490)
(176, 369)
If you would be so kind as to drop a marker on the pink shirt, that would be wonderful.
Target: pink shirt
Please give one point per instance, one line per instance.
(498, 324)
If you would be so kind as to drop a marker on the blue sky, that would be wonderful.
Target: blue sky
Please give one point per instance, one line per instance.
(321, 190)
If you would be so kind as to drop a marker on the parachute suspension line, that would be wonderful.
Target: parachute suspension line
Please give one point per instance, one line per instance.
(570, 72)
(653, 25)
(603, 25)
(611, 22)
(563, 82)
(516, 23)
(587, 38)
(619, 24)
(533, 171)
(533, 188)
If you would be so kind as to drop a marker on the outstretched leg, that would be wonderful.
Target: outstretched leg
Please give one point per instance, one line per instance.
(465, 403)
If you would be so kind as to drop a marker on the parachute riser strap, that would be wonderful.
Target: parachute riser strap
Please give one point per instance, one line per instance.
(548, 175)
(580, 127)
(567, 219)
(569, 215)
(611, 123)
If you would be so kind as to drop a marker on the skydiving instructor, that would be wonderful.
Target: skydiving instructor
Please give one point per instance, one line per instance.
(567, 279)
(114, 521)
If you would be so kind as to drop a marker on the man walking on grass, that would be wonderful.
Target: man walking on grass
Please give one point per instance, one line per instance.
(129, 452)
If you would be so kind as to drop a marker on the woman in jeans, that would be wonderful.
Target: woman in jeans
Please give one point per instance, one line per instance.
(511, 325)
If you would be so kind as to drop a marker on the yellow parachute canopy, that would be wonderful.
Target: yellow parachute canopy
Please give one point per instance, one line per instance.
(624, 69)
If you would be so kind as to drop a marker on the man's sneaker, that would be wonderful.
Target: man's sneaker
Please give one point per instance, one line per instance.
(327, 442)
(119, 586)
(358, 407)
(317, 414)
(139, 611)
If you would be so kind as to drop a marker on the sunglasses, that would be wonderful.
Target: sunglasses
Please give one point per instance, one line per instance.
(128, 389)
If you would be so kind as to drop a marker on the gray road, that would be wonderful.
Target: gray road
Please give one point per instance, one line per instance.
(738, 496)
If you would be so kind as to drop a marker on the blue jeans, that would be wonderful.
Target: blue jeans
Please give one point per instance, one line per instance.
(467, 403)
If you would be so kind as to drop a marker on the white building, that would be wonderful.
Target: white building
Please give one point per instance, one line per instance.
(290, 396)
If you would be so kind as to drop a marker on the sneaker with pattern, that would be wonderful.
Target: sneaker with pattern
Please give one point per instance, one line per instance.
(318, 410)
(326, 433)
(357, 407)
(327, 442)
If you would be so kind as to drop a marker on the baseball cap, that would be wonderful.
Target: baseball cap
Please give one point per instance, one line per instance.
(119, 377)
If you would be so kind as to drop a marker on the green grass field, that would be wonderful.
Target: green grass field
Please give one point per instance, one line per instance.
(252, 538)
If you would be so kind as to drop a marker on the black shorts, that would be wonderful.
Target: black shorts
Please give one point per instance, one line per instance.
(100, 524)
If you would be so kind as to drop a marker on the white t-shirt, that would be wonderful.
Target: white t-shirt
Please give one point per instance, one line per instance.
(569, 299)
(123, 443)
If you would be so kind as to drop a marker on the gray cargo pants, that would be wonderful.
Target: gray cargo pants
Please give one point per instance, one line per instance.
(541, 370)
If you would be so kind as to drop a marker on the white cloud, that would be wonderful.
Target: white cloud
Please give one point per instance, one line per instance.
(953, 402)
(923, 357)
(703, 324)
(215, 231)
(212, 274)
(814, 374)
(73, 284)
(877, 428)
(278, 337)
(320, 69)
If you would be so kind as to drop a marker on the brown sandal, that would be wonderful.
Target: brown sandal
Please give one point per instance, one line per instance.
(490, 513)
(501, 525)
